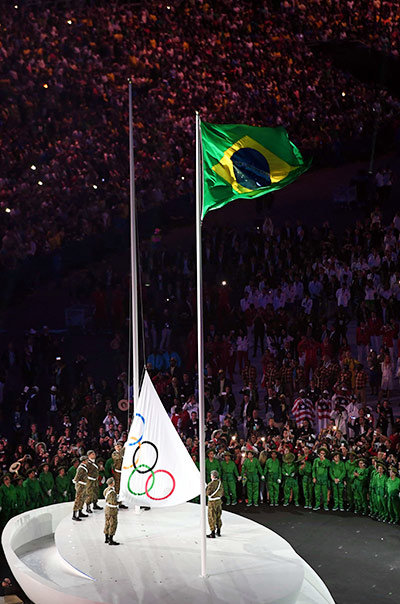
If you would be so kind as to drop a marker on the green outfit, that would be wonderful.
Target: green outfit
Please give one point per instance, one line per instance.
(372, 494)
(210, 466)
(108, 467)
(229, 476)
(290, 482)
(8, 503)
(320, 472)
(350, 467)
(62, 488)
(47, 483)
(71, 485)
(305, 471)
(34, 493)
(251, 471)
(337, 471)
(360, 486)
(393, 490)
(273, 472)
(22, 500)
(381, 509)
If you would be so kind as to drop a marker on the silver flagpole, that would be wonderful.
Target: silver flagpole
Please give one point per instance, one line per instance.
(134, 259)
(200, 346)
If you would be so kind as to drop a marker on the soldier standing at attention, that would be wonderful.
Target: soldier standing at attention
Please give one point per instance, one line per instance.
(92, 488)
(111, 512)
(117, 457)
(215, 492)
(80, 480)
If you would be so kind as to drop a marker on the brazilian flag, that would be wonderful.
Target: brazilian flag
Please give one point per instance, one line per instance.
(246, 161)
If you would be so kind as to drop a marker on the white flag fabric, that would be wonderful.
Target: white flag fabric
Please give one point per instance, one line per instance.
(157, 470)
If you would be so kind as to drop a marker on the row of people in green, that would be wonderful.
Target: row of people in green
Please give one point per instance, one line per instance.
(324, 479)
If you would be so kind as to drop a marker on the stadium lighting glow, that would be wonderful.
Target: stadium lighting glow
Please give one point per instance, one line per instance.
(223, 283)
(182, 178)
(39, 183)
(15, 5)
(69, 22)
(343, 94)
(94, 186)
(45, 85)
(147, 284)
(8, 210)
(33, 167)
(168, 8)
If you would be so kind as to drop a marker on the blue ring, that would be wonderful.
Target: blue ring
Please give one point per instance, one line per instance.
(139, 439)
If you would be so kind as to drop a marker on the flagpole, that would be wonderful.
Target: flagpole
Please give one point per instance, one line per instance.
(200, 348)
(134, 259)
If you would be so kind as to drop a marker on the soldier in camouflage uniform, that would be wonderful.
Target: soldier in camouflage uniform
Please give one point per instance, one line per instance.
(80, 480)
(111, 512)
(117, 457)
(92, 485)
(215, 492)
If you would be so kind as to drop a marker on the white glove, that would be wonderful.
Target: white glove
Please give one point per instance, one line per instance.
(49, 492)
(239, 478)
(279, 481)
(64, 493)
(292, 475)
(262, 477)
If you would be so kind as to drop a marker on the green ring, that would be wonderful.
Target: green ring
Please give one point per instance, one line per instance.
(142, 465)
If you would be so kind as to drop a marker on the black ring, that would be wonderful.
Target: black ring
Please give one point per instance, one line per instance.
(134, 455)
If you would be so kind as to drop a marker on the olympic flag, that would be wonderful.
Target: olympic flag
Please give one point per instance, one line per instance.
(157, 470)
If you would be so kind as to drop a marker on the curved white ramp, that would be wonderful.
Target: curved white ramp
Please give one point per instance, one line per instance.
(158, 560)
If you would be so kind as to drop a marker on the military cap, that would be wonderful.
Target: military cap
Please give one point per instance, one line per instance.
(83, 458)
(90, 452)
(215, 473)
(110, 480)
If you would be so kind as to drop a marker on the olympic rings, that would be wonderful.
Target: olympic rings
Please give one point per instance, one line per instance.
(139, 439)
(147, 442)
(159, 498)
(146, 491)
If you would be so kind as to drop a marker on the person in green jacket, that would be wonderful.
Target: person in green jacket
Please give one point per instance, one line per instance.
(337, 473)
(320, 474)
(290, 481)
(61, 486)
(360, 486)
(274, 477)
(251, 473)
(393, 493)
(109, 467)
(380, 480)
(34, 494)
(305, 471)
(372, 494)
(212, 464)
(8, 499)
(46, 480)
(22, 501)
(229, 476)
(350, 465)
(102, 478)
(71, 475)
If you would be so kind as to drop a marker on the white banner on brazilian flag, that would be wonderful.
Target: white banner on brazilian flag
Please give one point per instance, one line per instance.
(157, 469)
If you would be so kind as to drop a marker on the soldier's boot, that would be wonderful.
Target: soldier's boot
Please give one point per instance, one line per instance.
(122, 506)
(218, 532)
(88, 510)
(97, 507)
(211, 535)
(111, 541)
(75, 516)
(107, 539)
(82, 515)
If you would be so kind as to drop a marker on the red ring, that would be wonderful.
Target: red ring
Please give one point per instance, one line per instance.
(166, 496)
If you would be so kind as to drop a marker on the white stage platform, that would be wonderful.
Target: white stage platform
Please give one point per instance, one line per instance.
(56, 560)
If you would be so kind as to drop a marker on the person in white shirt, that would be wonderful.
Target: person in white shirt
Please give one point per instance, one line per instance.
(307, 304)
(244, 302)
(343, 296)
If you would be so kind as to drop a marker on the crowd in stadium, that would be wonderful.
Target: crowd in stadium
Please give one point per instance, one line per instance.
(287, 371)
(63, 90)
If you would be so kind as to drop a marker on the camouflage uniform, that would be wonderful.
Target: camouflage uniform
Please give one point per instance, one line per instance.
(117, 457)
(215, 491)
(92, 485)
(80, 480)
(111, 511)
